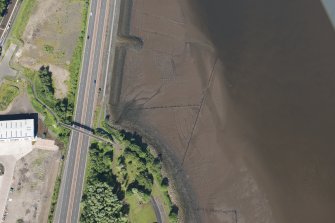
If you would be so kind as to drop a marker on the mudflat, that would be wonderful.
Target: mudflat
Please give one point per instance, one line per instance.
(238, 96)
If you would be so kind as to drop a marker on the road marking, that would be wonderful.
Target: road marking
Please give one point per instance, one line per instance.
(78, 150)
(102, 51)
(10, 17)
(82, 140)
(98, 77)
(83, 118)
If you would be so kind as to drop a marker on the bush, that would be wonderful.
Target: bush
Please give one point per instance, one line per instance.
(7, 94)
(173, 215)
(49, 49)
(45, 76)
(165, 182)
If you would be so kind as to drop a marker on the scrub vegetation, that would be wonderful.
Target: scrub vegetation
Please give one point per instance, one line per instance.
(42, 82)
(8, 91)
(130, 173)
(44, 86)
(45, 91)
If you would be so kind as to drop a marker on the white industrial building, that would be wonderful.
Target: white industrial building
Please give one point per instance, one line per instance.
(17, 130)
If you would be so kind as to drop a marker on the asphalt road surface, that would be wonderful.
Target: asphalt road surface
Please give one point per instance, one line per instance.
(7, 19)
(101, 21)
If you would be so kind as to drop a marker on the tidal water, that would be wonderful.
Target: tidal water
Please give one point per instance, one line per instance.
(279, 59)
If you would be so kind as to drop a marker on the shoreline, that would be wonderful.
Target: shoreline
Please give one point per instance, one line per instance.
(181, 192)
(181, 189)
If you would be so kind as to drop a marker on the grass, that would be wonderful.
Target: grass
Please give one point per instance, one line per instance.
(49, 119)
(140, 207)
(96, 120)
(54, 199)
(160, 193)
(77, 55)
(48, 48)
(140, 213)
(22, 19)
(8, 91)
(140, 210)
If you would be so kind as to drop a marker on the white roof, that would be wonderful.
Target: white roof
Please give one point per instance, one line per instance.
(17, 129)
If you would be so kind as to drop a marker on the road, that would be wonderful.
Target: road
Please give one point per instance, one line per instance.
(159, 210)
(8, 18)
(101, 34)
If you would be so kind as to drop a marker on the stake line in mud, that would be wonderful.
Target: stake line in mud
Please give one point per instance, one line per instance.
(200, 107)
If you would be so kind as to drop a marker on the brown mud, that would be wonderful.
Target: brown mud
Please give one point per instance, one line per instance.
(239, 98)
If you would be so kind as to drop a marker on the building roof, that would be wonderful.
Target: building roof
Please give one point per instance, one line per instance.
(17, 129)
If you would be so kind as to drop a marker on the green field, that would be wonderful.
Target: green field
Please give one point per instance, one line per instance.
(8, 91)
(140, 212)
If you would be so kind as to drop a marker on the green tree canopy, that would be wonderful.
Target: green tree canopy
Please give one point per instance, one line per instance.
(3, 6)
(102, 205)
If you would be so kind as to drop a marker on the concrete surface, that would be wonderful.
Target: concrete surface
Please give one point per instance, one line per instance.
(10, 152)
(5, 69)
(33, 185)
(45, 144)
(329, 6)
(16, 149)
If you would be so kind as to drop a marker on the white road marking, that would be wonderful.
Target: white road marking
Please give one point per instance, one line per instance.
(10, 17)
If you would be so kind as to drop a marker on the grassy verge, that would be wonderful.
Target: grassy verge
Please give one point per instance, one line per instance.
(54, 199)
(21, 20)
(96, 120)
(8, 92)
(76, 60)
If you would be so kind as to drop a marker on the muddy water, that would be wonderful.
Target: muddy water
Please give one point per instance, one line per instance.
(279, 70)
(239, 97)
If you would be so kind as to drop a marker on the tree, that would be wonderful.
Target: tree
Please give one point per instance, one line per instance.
(46, 78)
(3, 6)
(165, 182)
(101, 205)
